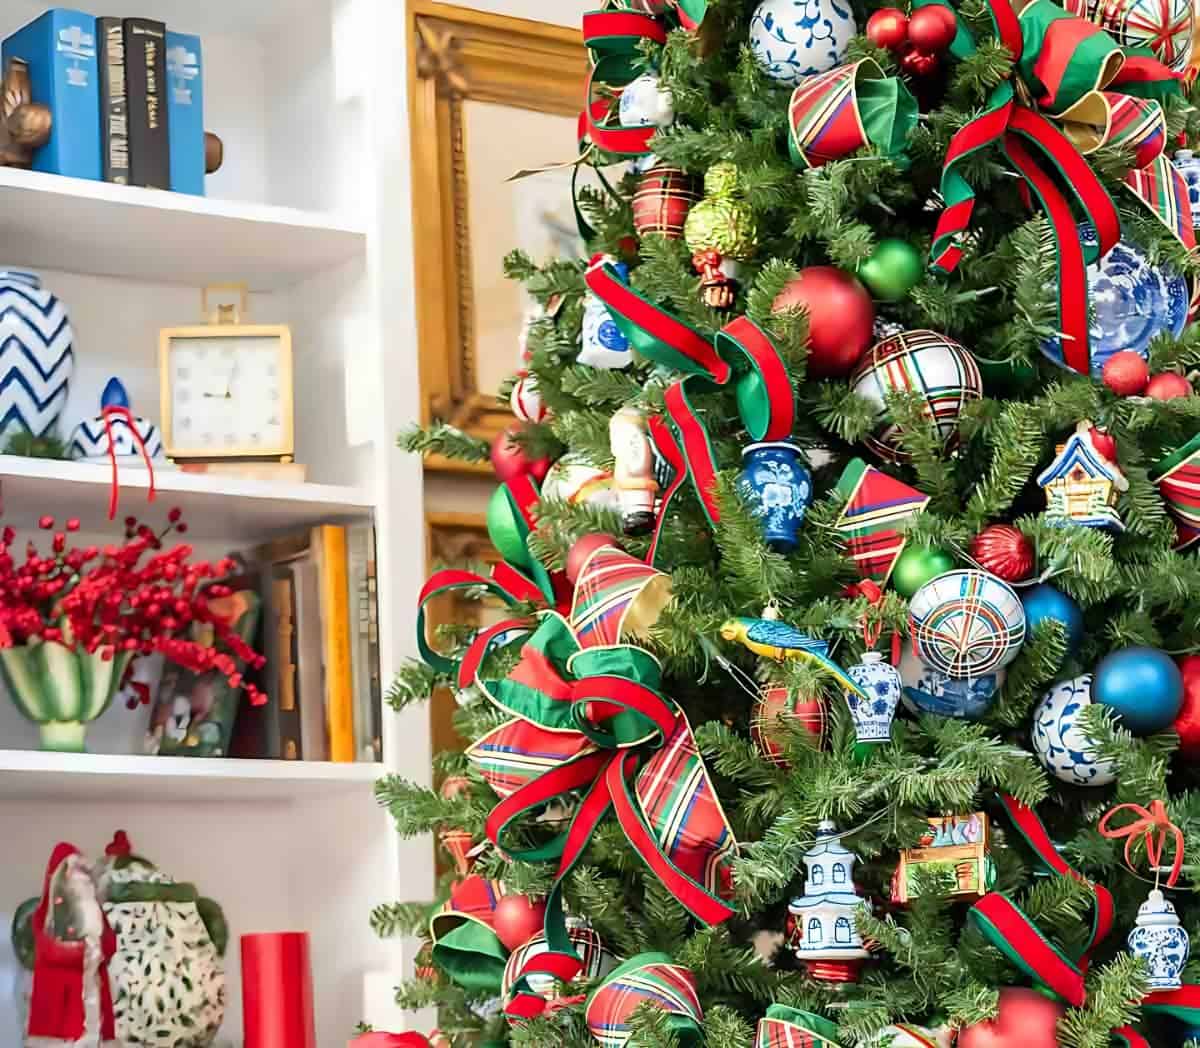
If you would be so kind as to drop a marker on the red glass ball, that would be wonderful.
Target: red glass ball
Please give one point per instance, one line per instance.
(1187, 723)
(1104, 443)
(841, 318)
(1026, 1020)
(662, 200)
(517, 919)
(773, 711)
(887, 27)
(1005, 552)
(583, 549)
(1168, 386)
(932, 29)
(1126, 373)
(510, 461)
(915, 62)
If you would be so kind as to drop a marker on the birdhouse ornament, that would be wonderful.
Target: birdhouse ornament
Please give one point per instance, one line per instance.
(721, 233)
(1083, 482)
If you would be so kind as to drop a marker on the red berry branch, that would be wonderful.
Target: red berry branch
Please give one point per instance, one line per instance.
(137, 597)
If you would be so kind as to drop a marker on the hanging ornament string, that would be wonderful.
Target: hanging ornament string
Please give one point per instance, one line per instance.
(872, 628)
(121, 413)
(1154, 827)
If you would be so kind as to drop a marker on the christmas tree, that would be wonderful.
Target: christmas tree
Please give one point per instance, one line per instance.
(845, 693)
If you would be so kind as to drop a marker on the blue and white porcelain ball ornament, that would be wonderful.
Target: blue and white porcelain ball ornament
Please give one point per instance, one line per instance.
(89, 441)
(1060, 741)
(792, 39)
(1188, 164)
(1132, 301)
(604, 344)
(927, 690)
(777, 486)
(1159, 940)
(36, 355)
(646, 103)
(1143, 685)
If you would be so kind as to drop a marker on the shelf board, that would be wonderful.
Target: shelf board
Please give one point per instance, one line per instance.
(214, 506)
(36, 775)
(81, 226)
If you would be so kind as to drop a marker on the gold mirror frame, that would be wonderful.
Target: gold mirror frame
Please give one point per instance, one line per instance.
(457, 55)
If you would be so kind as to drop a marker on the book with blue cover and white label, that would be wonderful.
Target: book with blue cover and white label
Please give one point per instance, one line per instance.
(60, 48)
(185, 106)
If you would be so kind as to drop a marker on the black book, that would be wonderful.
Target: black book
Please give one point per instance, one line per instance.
(114, 102)
(146, 88)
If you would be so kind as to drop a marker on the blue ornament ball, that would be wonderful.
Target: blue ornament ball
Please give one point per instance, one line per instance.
(1043, 602)
(1143, 685)
(792, 39)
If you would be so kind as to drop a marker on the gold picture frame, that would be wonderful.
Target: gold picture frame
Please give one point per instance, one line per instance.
(458, 56)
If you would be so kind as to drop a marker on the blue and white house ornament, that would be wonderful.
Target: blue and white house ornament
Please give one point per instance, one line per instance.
(1060, 740)
(89, 441)
(1188, 164)
(1082, 483)
(792, 39)
(1159, 940)
(826, 937)
(604, 344)
(36, 355)
(646, 103)
(1131, 300)
(777, 486)
(880, 681)
(927, 690)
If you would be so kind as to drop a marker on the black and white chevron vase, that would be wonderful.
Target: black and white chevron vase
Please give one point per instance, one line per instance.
(36, 355)
(90, 441)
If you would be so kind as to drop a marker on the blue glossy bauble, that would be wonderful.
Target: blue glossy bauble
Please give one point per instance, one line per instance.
(1131, 300)
(792, 39)
(1143, 685)
(1044, 602)
(777, 486)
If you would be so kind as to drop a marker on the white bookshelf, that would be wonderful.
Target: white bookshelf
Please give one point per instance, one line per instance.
(312, 210)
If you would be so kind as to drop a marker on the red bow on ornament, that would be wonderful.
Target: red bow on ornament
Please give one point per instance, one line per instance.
(1154, 826)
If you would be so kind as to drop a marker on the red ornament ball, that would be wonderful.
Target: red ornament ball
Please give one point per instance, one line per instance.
(1168, 386)
(888, 27)
(582, 550)
(1126, 373)
(1187, 723)
(915, 62)
(1005, 552)
(841, 318)
(1026, 1020)
(517, 919)
(662, 200)
(774, 710)
(510, 461)
(932, 29)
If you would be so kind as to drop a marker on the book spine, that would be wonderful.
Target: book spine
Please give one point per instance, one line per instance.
(314, 732)
(358, 541)
(114, 103)
(60, 49)
(376, 672)
(145, 80)
(283, 621)
(185, 103)
(335, 646)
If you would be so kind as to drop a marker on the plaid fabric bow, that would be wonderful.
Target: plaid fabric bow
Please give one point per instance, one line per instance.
(648, 978)
(1072, 90)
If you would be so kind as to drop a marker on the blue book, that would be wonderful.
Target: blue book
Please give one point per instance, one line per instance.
(185, 112)
(60, 48)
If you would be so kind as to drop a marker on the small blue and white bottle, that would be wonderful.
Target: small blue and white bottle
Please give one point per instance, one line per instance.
(604, 343)
(1160, 941)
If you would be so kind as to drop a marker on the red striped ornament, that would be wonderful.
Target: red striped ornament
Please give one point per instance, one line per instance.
(526, 401)
(872, 524)
(662, 201)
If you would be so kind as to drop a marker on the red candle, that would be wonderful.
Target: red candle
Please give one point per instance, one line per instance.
(277, 996)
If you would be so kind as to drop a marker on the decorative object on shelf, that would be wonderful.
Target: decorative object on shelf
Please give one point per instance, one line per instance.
(1044, 602)
(888, 28)
(1188, 165)
(526, 401)
(1168, 385)
(1027, 1019)
(1082, 484)
(226, 386)
(872, 524)
(828, 942)
(214, 153)
(1005, 552)
(116, 432)
(1060, 741)
(645, 102)
(24, 124)
(37, 356)
(597, 960)
(517, 919)
(509, 459)
(721, 233)
(966, 623)
(880, 681)
(917, 565)
(633, 469)
(954, 845)
(792, 39)
(1141, 684)
(277, 991)
(776, 640)
(651, 979)
(923, 362)
(776, 710)
(1160, 942)
(841, 317)
(895, 267)
(1164, 28)
(1126, 373)
(1187, 721)
(777, 487)
(927, 690)
(1178, 478)
(604, 344)
(662, 201)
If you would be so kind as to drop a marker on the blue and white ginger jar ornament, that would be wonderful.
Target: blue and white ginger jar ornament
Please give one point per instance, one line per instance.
(880, 680)
(645, 103)
(36, 355)
(604, 344)
(777, 486)
(1059, 740)
(792, 39)
(1160, 941)
(1188, 164)
(89, 441)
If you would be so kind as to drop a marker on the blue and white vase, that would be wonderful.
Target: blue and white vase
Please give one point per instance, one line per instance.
(89, 441)
(604, 344)
(1060, 741)
(645, 103)
(36, 355)
(792, 39)
(1160, 941)
(1188, 164)
(880, 680)
(777, 486)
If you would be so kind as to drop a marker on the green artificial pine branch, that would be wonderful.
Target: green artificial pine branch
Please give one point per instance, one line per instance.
(443, 439)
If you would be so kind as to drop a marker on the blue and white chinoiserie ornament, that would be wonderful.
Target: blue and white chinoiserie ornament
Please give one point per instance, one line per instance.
(646, 103)
(880, 682)
(792, 39)
(966, 623)
(1060, 741)
(1188, 164)
(1083, 483)
(1131, 300)
(89, 441)
(604, 344)
(927, 690)
(1160, 941)
(36, 355)
(777, 486)
(826, 938)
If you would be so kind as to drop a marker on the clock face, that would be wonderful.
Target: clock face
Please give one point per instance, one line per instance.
(229, 395)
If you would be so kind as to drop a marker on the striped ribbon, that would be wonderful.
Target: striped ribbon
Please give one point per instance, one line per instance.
(648, 978)
(1178, 480)
(872, 523)
(784, 1027)
(616, 596)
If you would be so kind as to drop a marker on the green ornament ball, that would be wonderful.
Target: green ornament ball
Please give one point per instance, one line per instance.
(916, 565)
(504, 529)
(893, 270)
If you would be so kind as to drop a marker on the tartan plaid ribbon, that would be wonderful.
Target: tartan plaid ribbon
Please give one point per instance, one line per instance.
(648, 978)
(784, 1027)
(872, 523)
(1178, 480)
(592, 720)
(1073, 90)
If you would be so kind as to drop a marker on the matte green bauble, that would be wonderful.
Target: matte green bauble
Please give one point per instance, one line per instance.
(916, 565)
(893, 270)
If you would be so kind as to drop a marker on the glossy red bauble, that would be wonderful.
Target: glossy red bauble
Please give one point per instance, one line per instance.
(841, 317)
(931, 29)
(1126, 373)
(774, 710)
(1168, 386)
(517, 919)
(584, 548)
(916, 62)
(1026, 1020)
(510, 461)
(1104, 443)
(1187, 723)
(887, 27)
(1005, 552)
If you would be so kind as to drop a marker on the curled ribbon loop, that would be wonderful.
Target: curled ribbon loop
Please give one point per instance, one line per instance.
(1154, 826)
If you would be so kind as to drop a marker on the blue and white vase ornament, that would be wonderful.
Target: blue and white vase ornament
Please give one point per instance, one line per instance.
(1188, 164)
(792, 39)
(604, 344)
(1160, 941)
(646, 103)
(89, 441)
(880, 682)
(777, 486)
(1060, 741)
(927, 690)
(36, 355)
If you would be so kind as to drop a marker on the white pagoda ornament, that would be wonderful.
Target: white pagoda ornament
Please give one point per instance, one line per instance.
(825, 937)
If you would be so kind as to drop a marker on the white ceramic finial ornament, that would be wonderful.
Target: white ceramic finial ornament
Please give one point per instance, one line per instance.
(826, 938)
(881, 681)
(1160, 941)
(604, 344)
(645, 103)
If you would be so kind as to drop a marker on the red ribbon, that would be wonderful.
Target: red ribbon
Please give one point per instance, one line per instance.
(117, 411)
(1154, 825)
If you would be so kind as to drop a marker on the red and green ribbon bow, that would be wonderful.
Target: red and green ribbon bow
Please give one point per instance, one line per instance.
(465, 944)
(1072, 90)
(648, 978)
(784, 1027)
(593, 720)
